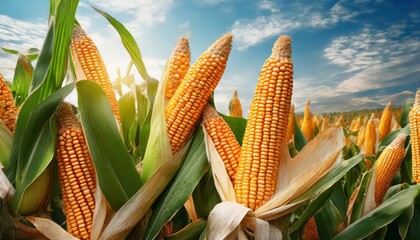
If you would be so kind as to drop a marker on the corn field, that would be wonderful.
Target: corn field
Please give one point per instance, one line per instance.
(159, 161)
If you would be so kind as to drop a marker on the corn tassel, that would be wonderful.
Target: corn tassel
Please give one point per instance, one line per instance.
(235, 107)
(414, 119)
(307, 125)
(290, 124)
(8, 110)
(86, 54)
(178, 66)
(76, 172)
(223, 138)
(185, 107)
(387, 165)
(385, 123)
(370, 137)
(266, 128)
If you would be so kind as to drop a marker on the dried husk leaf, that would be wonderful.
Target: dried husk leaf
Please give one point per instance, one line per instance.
(100, 213)
(189, 206)
(6, 188)
(228, 219)
(50, 229)
(369, 204)
(221, 178)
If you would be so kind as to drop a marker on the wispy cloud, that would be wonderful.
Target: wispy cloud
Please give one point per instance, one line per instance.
(213, 2)
(145, 12)
(249, 32)
(268, 5)
(375, 58)
(18, 35)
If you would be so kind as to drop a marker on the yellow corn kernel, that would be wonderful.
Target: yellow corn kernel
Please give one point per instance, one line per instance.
(93, 68)
(385, 123)
(370, 137)
(8, 110)
(185, 107)
(414, 119)
(178, 66)
(387, 165)
(235, 107)
(290, 124)
(76, 173)
(223, 138)
(310, 232)
(265, 131)
(307, 125)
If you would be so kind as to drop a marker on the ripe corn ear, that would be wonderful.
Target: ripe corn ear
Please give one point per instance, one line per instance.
(307, 125)
(235, 107)
(8, 110)
(310, 232)
(361, 137)
(290, 124)
(76, 173)
(387, 165)
(414, 119)
(178, 66)
(370, 137)
(385, 123)
(325, 123)
(266, 128)
(92, 66)
(223, 138)
(186, 105)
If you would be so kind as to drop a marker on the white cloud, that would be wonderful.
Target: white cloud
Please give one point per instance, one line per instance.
(249, 32)
(268, 5)
(18, 35)
(375, 58)
(145, 12)
(213, 2)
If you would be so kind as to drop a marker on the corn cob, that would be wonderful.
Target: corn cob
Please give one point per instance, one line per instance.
(189, 100)
(266, 128)
(358, 124)
(178, 66)
(93, 68)
(8, 110)
(235, 107)
(290, 124)
(310, 232)
(307, 125)
(387, 165)
(325, 123)
(385, 123)
(414, 119)
(361, 137)
(76, 172)
(223, 138)
(370, 137)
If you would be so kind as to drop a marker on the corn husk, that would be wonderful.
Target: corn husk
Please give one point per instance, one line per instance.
(6, 188)
(50, 229)
(296, 176)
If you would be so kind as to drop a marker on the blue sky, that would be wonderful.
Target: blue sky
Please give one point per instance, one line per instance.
(347, 54)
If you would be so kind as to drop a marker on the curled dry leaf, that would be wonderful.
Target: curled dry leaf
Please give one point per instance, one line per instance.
(50, 229)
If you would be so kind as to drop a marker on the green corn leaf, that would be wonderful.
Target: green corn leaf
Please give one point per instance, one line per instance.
(11, 51)
(356, 212)
(406, 110)
(205, 196)
(190, 232)
(6, 142)
(315, 206)
(38, 140)
(381, 216)
(22, 79)
(116, 172)
(300, 140)
(413, 230)
(339, 199)
(404, 221)
(237, 125)
(392, 135)
(327, 221)
(172, 199)
(127, 107)
(48, 74)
